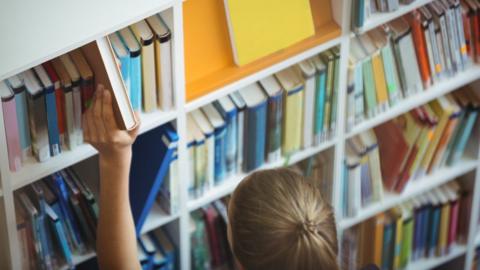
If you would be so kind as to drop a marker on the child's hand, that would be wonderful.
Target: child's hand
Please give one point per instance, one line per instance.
(101, 131)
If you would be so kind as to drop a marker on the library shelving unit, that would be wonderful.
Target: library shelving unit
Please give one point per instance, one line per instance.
(203, 72)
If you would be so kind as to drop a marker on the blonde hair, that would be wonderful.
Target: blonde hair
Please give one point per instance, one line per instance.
(279, 221)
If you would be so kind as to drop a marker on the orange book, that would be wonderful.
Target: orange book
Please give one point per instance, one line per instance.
(378, 240)
(446, 135)
(415, 21)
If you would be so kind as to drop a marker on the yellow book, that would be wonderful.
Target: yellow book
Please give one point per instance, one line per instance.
(396, 214)
(421, 145)
(378, 242)
(293, 86)
(380, 83)
(442, 110)
(444, 222)
(260, 28)
(145, 37)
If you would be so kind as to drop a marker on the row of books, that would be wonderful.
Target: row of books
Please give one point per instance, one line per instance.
(362, 10)
(56, 218)
(42, 108)
(407, 56)
(144, 54)
(425, 227)
(208, 233)
(407, 148)
(156, 250)
(277, 116)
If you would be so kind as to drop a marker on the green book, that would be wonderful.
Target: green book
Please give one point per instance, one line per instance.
(370, 94)
(336, 87)
(329, 59)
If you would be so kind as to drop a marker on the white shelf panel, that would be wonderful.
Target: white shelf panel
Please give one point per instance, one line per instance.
(429, 263)
(78, 259)
(157, 218)
(33, 170)
(223, 91)
(38, 32)
(413, 188)
(442, 88)
(377, 19)
(229, 185)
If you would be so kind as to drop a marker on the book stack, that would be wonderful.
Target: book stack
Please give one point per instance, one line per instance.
(208, 233)
(42, 108)
(56, 218)
(408, 55)
(409, 147)
(362, 10)
(156, 250)
(318, 170)
(263, 122)
(144, 54)
(428, 226)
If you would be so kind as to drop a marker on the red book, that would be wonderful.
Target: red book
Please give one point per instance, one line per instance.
(210, 216)
(86, 74)
(393, 150)
(452, 230)
(59, 100)
(415, 21)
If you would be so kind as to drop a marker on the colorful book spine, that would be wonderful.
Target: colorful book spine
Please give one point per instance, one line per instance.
(22, 115)
(11, 128)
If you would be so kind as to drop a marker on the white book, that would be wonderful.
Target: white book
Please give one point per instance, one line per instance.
(191, 165)
(240, 104)
(308, 71)
(37, 116)
(145, 37)
(200, 156)
(163, 56)
(76, 99)
(207, 129)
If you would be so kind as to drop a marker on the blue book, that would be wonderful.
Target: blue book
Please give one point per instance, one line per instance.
(146, 260)
(220, 131)
(227, 109)
(274, 93)
(58, 186)
(148, 245)
(255, 126)
(164, 244)
(416, 233)
(51, 106)
(320, 93)
(123, 55)
(434, 230)
(240, 104)
(464, 133)
(60, 236)
(33, 214)
(22, 114)
(152, 154)
(135, 71)
(388, 244)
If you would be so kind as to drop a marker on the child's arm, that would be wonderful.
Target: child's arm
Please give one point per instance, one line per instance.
(116, 240)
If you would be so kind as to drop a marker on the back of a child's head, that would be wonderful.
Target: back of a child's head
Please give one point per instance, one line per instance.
(278, 221)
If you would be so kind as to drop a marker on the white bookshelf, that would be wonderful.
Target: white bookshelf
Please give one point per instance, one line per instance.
(78, 23)
(377, 19)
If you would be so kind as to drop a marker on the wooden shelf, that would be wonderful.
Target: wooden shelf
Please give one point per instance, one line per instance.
(208, 55)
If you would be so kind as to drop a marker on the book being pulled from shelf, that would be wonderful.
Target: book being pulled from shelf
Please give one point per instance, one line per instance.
(144, 54)
(208, 235)
(409, 147)
(428, 226)
(156, 250)
(276, 117)
(43, 106)
(409, 55)
(56, 219)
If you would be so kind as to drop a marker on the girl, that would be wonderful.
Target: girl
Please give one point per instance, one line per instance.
(277, 220)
